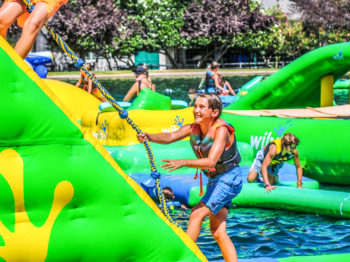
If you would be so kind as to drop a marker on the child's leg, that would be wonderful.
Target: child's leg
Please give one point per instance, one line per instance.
(218, 230)
(252, 176)
(198, 213)
(31, 29)
(9, 12)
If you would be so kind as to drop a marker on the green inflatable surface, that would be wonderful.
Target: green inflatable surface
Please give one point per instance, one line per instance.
(322, 149)
(150, 100)
(297, 84)
(133, 159)
(63, 198)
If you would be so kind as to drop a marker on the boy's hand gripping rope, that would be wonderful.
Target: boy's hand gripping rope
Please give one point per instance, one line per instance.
(78, 62)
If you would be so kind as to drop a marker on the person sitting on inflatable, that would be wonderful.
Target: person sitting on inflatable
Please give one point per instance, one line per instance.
(13, 10)
(142, 81)
(88, 85)
(270, 159)
(211, 80)
(227, 86)
(214, 143)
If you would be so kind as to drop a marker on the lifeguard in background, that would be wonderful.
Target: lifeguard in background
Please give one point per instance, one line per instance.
(88, 85)
(32, 23)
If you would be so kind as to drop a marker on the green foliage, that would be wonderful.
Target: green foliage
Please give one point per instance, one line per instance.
(123, 27)
(160, 23)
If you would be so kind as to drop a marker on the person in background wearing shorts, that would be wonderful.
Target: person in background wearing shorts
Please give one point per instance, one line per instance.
(214, 143)
(32, 23)
(270, 159)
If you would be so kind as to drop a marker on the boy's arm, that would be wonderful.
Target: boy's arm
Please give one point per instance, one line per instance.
(230, 88)
(79, 82)
(215, 152)
(89, 85)
(217, 84)
(201, 83)
(166, 138)
(184, 207)
(299, 168)
(132, 91)
(267, 160)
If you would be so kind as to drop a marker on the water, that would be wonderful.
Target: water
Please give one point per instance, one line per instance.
(341, 96)
(180, 86)
(275, 233)
(256, 232)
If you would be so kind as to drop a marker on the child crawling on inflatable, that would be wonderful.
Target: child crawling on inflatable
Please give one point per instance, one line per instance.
(214, 143)
(270, 159)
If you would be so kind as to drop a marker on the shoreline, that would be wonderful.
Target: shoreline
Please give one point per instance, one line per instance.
(165, 73)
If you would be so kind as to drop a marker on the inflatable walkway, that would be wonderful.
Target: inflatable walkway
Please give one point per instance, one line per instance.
(298, 84)
(63, 198)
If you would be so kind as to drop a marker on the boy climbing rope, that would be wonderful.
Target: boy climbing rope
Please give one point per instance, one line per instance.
(270, 159)
(32, 23)
(214, 143)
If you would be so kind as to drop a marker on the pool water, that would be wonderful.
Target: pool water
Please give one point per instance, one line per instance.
(258, 233)
(180, 86)
(275, 233)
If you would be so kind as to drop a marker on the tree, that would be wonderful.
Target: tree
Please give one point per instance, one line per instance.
(91, 25)
(160, 22)
(218, 22)
(323, 18)
(285, 38)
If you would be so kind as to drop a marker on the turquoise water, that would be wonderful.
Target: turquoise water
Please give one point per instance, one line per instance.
(257, 233)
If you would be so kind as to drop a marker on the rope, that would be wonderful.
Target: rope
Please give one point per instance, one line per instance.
(78, 62)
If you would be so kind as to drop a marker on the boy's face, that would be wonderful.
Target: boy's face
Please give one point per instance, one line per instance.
(201, 111)
(290, 148)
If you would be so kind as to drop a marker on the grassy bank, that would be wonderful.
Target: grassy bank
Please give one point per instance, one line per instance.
(165, 73)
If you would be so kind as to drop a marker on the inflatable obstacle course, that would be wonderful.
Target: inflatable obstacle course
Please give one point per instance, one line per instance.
(62, 188)
(322, 133)
(298, 84)
(133, 158)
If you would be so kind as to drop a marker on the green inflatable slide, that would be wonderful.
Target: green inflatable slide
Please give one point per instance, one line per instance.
(63, 197)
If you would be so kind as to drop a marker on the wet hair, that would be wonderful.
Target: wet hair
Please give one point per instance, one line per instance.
(214, 65)
(168, 193)
(289, 139)
(214, 102)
